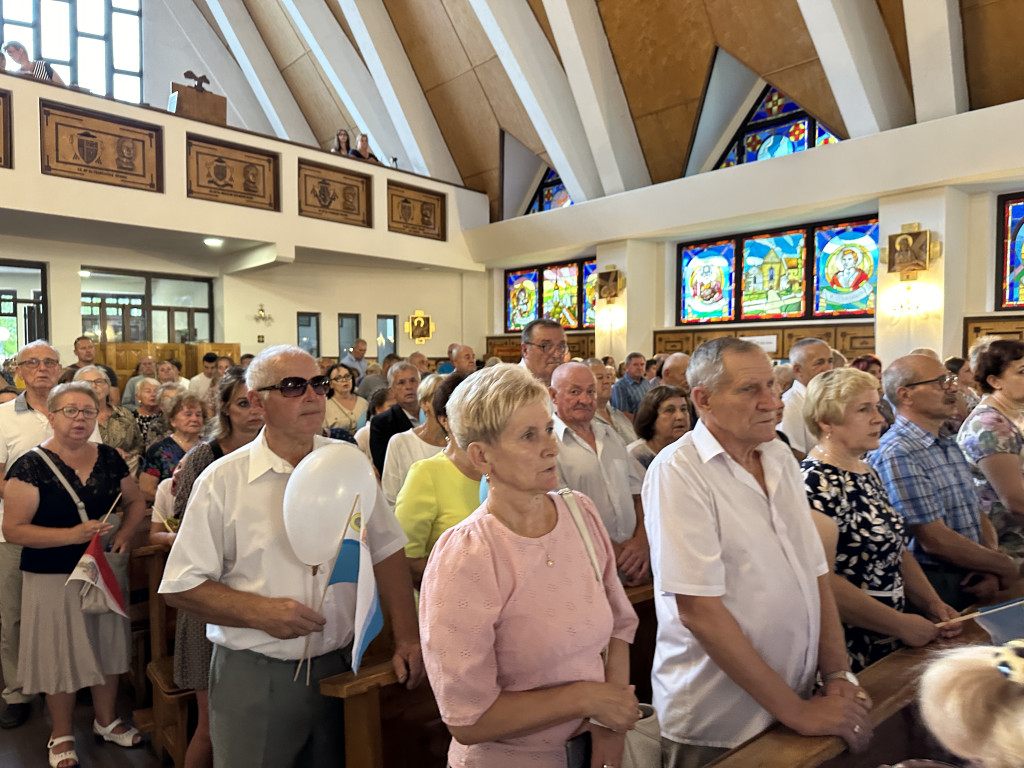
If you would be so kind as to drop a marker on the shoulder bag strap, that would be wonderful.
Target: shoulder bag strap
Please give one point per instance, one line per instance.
(581, 525)
(64, 482)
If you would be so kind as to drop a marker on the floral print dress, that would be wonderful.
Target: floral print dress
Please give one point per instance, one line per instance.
(869, 553)
(987, 432)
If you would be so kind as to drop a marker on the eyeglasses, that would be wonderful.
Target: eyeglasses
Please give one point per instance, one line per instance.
(947, 381)
(295, 386)
(96, 383)
(35, 362)
(547, 347)
(71, 412)
(346, 377)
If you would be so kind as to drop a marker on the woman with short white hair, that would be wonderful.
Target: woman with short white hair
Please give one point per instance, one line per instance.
(513, 620)
(874, 574)
(422, 442)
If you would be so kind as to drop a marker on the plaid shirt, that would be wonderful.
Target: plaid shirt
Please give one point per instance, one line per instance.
(928, 479)
(627, 394)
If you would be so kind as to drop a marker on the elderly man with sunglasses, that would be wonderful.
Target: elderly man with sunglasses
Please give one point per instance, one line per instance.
(23, 425)
(232, 566)
(929, 482)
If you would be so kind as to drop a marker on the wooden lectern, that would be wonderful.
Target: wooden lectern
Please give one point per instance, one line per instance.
(186, 101)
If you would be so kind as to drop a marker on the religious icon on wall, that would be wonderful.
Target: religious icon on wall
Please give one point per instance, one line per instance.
(521, 299)
(419, 327)
(706, 293)
(908, 251)
(845, 268)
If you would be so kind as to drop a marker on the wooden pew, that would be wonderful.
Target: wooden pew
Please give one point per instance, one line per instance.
(373, 697)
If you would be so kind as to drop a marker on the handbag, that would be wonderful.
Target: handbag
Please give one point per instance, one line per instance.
(643, 743)
(93, 599)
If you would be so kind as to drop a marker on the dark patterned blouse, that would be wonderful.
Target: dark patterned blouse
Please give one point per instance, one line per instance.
(869, 553)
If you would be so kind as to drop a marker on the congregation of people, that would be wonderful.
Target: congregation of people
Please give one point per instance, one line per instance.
(799, 521)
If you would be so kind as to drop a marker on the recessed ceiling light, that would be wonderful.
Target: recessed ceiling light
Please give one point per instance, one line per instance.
(213, 242)
(84, 273)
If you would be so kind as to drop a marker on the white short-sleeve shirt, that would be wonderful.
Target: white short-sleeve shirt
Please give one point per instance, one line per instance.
(233, 533)
(714, 533)
(793, 425)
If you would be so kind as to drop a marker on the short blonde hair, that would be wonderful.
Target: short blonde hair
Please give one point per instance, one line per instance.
(829, 392)
(972, 708)
(481, 406)
(428, 386)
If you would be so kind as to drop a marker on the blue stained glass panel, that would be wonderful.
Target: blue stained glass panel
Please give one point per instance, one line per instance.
(773, 105)
(846, 269)
(773, 276)
(825, 136)
(777, 141)
(521, 298)
(730, 158)
(1013, 248)
(589, 294)
(706, 294)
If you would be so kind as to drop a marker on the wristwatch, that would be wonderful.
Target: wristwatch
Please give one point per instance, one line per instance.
(843, 674)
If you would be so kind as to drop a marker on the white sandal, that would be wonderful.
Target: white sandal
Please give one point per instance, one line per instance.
(60, 757)
(125, 739)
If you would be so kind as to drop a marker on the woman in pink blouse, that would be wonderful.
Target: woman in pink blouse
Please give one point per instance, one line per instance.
(513, 619)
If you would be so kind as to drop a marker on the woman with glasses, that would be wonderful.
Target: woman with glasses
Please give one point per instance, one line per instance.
(874, 574)
(345, 409)
(118, 426)
(513, 619)
(64, 649)
(420, 442)
(237, 424)
(992, 439)
(185, 416)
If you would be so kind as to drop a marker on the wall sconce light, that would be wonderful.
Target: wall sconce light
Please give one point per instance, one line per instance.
(610, 318)
(262, 316)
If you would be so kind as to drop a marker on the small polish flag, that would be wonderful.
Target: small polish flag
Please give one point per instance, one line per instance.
(95, 571)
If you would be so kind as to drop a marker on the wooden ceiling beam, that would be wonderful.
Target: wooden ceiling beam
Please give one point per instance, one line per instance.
(255, 61)
(399, 88)
(348, 76)
(596, 87)
(857, 56)
(544, 90)
(935, 42)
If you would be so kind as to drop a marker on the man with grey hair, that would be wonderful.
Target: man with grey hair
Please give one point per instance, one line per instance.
(374, 379)
(420, 361)
(233, 567)
(929, 482)
(809, 357)
(356, 357)
(463, 359)
(23, 425)
(147, 370)
(595, 461)
(543, 348)
(403, 381)
(605, 412)
(746, 615)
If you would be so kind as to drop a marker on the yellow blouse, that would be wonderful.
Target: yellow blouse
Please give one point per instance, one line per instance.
(435, 496)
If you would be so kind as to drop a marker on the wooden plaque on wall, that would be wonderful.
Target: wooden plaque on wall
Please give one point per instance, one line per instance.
(229, 173)
(92, 146)
(415, 211)
(334, 194)
(5, 130)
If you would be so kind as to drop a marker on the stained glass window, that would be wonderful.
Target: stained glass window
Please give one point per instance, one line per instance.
(845, 268)
(1011, 245)
(551, 193)
(521, 298)
(775, 126)
(706, 289)
(773, 276)
(589, 294)
(560, 294)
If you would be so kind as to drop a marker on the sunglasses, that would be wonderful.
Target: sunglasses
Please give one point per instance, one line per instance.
(295, 386)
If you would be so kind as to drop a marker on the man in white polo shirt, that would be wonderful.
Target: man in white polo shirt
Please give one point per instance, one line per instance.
(809, 357)
(746, 615)
(232, 566)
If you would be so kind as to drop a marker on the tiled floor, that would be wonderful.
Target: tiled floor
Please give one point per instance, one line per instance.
(25, 747)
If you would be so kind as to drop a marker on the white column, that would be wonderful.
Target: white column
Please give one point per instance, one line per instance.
(625, 325)
(935, 41)
(543, 88)
(597, 89)
(261, 71)
(855, 52)
(929, 311)
(400, 89)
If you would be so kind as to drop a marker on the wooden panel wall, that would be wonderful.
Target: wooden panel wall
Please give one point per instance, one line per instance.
(508, 348)
(1003, 326)
(852, 340)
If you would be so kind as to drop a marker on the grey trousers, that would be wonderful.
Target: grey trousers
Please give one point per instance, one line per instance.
(10, 621)
(677, 755)
(260, 717)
